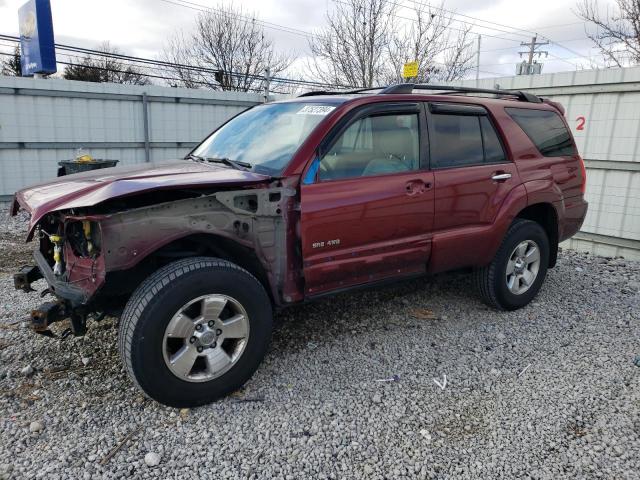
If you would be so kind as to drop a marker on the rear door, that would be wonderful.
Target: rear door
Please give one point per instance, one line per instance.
(367, 201)
(472, 172)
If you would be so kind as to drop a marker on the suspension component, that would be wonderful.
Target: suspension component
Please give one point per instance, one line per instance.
(48, 313)
(86, 228)
(57, 254)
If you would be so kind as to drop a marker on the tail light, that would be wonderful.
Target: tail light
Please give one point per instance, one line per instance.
(583, 170)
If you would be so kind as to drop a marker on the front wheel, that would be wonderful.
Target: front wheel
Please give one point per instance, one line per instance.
(194, 331)
(515, 275)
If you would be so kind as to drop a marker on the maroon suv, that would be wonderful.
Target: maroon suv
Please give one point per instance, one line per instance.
(293, 200)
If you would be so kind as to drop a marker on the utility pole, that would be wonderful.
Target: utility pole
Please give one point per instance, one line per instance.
(531, 53)
(478, 59)
(267, 80)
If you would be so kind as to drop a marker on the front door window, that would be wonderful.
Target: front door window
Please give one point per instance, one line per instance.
(374, 145)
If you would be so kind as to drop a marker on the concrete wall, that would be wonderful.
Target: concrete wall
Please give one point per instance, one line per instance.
(603, 110)
(45, 121)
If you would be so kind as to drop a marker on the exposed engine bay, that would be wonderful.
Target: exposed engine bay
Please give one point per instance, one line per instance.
(94, 257)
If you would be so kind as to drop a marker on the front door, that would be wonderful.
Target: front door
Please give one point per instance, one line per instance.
(367, 214)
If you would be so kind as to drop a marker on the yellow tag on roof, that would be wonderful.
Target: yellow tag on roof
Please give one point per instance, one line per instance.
(410, 70)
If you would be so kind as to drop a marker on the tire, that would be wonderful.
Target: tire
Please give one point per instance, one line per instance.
(493, 281)
(181, 300)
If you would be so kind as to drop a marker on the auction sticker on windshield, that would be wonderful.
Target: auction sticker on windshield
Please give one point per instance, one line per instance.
(315, 110)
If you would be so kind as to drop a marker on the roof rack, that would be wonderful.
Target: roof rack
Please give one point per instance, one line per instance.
(345, 92)
(407, 88)
(410, 87)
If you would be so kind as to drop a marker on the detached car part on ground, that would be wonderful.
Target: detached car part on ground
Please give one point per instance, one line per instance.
(294, 200)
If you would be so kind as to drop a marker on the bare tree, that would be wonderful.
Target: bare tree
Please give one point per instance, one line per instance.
(351, 49)
(617, 32)
(428, 40)
(458, 57)
(11, 66)
(227, 50)
(105, 69)
(366, 44)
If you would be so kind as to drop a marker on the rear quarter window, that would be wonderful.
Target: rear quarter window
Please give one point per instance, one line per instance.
(546, 130)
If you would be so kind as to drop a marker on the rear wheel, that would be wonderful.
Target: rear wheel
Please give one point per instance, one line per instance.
(194, 331)
(515, 275)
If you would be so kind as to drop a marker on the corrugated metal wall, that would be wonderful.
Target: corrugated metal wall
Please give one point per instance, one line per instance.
(603, 110)
(44, 121)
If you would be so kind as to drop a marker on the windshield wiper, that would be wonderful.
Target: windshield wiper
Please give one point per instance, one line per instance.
(227, 161)
(232, 163)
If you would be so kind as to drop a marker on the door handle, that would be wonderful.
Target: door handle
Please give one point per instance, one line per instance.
(414, 187)
(500, 177)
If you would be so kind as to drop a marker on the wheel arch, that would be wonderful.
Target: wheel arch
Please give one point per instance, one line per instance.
(546, 216)
(208, 244)
(196, 245)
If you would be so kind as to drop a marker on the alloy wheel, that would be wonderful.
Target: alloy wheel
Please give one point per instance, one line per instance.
(522, 267)
(205, 338)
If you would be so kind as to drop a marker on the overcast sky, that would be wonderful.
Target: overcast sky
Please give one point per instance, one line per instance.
(141, 27)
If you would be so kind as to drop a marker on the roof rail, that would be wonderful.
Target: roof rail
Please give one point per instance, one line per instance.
(344, 92)
(406, 88)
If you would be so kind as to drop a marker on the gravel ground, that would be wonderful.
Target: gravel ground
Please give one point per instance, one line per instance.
(348, 389)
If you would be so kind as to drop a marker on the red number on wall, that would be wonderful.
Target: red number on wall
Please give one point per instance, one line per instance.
(581, 121)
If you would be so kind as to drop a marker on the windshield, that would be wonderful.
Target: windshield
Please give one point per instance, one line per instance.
(265, 137)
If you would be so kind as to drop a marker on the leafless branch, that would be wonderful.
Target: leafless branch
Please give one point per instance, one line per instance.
(227, 41)
(350, 50)
(617, 34)
(11, 66)
(105, 69)
(365, 44)
(429, 40)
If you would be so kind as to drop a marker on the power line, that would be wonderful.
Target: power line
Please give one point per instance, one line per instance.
(533, 45)
(193, 68)
(271, 25)
(449, 27)
(568, 49)
(476, 19)
(453, 28)
(296, 31)
(113, 70)
(548, 27)
(274, 26)
(528, 32)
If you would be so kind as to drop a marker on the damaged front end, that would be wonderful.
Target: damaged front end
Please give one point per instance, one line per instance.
(70, 259)
(93, 258)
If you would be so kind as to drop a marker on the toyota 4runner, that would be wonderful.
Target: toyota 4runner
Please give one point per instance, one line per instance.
(293, 200)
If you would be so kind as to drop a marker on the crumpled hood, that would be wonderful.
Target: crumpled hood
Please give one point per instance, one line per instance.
(90, 188)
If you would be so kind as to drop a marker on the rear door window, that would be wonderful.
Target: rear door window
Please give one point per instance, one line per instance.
(493, 152)
(546, 130)
(462, 140)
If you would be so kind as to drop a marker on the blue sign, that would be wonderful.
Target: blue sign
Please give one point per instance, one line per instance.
(37, 48)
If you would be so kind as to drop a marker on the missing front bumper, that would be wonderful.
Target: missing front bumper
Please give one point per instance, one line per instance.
(60, 288)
